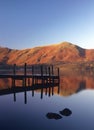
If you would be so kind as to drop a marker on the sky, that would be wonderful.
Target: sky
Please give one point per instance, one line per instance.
(31, 23)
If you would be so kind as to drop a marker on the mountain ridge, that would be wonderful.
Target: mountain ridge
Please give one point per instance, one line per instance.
(52, 54)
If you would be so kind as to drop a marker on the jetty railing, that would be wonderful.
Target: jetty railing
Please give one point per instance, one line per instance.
(36, 69)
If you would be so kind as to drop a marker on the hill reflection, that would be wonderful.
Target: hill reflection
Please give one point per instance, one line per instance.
(73, 84)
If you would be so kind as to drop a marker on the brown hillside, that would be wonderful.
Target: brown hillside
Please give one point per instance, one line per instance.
(58, 53)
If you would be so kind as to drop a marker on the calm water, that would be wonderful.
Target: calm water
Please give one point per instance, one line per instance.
(28, 110)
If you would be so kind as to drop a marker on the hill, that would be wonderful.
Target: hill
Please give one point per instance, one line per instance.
(57, 54)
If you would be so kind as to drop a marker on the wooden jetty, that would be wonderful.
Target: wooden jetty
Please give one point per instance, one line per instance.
(34, 74)
(34, 77)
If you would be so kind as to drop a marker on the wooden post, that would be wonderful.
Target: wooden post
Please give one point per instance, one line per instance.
(52, 70)
(32, 75)
(28, 81)
(58, 71)
(58, 76)
(49, 91)
(14, 97)
(49, 71)
(41, 92)
(58, 88)
(36, 80)
(14, 73)
(32, 70)
(25, 97)
(45, 70)
(42, 75)
(25, 65)
(52, 90)
(49, 75)
(14, 69)
(45, 91)
(32, 92)
(52, 74)
(41, 70)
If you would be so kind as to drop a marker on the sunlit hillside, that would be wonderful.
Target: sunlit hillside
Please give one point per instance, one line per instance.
(57, 54)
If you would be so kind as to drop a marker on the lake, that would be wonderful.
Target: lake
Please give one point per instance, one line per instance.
(29, 110)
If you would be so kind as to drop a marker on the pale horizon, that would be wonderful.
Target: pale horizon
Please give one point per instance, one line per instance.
(49, 44)
(32, 23)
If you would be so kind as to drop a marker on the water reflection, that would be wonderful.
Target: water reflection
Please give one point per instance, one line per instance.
(59, 112)
(82, 86)
(69, 85)
(48, 89)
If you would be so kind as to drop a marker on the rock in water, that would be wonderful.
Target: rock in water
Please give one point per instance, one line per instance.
(66, 112)
(53, 116)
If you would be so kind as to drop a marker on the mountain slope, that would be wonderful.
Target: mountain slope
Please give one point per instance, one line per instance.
(58, 53)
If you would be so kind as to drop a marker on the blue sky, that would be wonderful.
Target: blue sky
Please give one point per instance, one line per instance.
(31, 23)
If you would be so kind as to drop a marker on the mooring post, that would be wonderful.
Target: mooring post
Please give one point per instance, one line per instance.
(49, 91)
(32, 69)
(14, 73)
(25, 65)
(14, 69)
(46, 70)
(58, 75)
(52, 90)
(14, 97)
(41, 92)
(25, 97)
(58, 71)
(41, 70)
(52, 74)
(42, 74)
(45, 91)
(49, 72)
(32, 92)
(58, 88)
(52, 70)
(32, 75)
(28, 81)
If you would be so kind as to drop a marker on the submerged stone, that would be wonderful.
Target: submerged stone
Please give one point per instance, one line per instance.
(66, 112)
(53, 116)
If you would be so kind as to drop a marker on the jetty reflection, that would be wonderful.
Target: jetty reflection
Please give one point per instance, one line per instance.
(47, 89)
